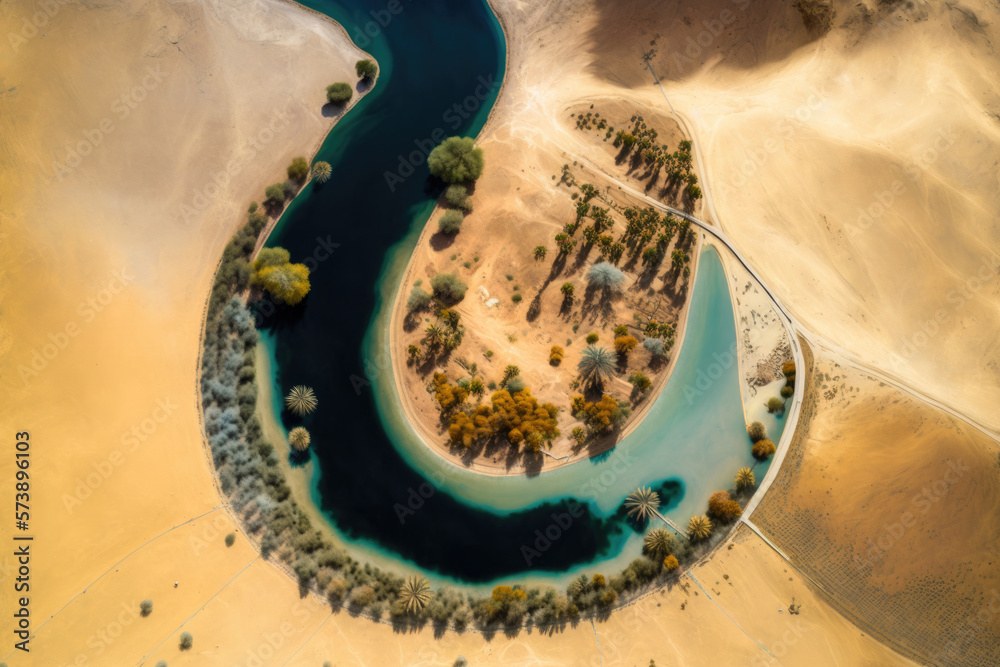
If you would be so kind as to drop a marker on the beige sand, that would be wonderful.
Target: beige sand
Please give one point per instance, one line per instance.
(151, 512)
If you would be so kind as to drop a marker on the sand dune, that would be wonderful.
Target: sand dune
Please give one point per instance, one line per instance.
(104, 271)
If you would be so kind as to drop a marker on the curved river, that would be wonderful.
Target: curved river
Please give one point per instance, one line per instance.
(380, 487)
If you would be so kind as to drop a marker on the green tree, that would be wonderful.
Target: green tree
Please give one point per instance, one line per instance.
(539, 252)
(448, 287)
(339, 93)
(456, 160)
(458, 196)
(276, 193)
(450, 222)
(288, 283)
(298, 169)
(418, 299)
(366, 69)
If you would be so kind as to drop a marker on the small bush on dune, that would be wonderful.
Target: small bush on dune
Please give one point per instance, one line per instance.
(555, 355)
(448, 287)
(186, 641)
(146, 607)
(230, 539)
(458, 197)
(418, 299)
(592, 338)
(276, 192)
(366, 69)
(450, 222)
(338, 93)
(298, 169)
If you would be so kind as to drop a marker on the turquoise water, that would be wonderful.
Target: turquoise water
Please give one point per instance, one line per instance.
(380, 487)
(694, 433)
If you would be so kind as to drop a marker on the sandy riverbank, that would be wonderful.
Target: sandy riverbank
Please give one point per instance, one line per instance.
(523, 201)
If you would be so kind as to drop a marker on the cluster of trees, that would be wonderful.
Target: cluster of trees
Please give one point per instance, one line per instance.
(763, 448)
(458, 162)
(274, 272)
(640, 146)
(234, 272)
(602, 416)
(340, 93)
(514, 414)
(446, 333)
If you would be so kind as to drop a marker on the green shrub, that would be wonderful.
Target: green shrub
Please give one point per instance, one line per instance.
(456, 160)
(516, 298)
(338, 93)
(276, 192)
(775, 404)
(450, 222)
(458, 196)
(786, 392)
(253, 207)
(186, 641)
(230, 539)
(146, 607)
(366, 69)
(448, 287)
(418, 299)
(159, 663)
(592, 338)
(298, 169)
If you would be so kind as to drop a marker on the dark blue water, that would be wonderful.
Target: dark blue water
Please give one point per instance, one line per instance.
(434, 55)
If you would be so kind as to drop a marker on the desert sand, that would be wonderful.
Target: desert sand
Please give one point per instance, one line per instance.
(124, 501)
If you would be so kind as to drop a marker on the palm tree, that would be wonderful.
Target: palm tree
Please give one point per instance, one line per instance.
(744, 479)
(415, 593)
(699, 527)
(476, 387)
(510, 371)
(539, 252)
(597, 364)
(321, 171)
(299, 439)
(433, 335)
(301, 400)
(658, 542)
(642, 502)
